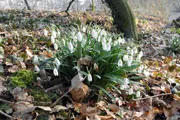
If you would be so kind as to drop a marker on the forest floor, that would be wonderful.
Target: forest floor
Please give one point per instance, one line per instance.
(21, 36)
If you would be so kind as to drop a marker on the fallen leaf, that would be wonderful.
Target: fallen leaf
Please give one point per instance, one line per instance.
(113, 107)
(78, 89)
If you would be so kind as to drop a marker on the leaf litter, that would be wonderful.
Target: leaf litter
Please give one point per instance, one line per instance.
(159, 97)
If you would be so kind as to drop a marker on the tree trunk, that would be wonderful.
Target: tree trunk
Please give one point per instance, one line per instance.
(123, 17)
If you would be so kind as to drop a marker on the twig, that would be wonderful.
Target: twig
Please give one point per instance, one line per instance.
(53, 87)
(61, 97)
(6, 115)
(5, 101)
(149, 97)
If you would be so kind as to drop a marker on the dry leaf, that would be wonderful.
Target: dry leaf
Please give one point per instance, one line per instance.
(113, 107)
(57, 108)
(78, 89)
(29, 52)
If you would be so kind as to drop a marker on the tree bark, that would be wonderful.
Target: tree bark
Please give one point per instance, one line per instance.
(123, 17)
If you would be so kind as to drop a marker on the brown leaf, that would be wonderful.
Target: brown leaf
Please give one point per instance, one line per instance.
(113, 107)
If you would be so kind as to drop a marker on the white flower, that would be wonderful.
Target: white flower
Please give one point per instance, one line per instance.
(94, 34)
(138, 94)
(55, 72)
(120, 63)
(130, 91)
(70, 46)
(36, 68)
(135, 50)
(126, 81)
(95, 66)
(55, 46)
(79, 36)
(140, 55)
(171, 80)
(125, 57)
(140, 69)
(84, 29)
(129, 62)
(63, 42)
(57, 62)
(123, 87)
(146, 73)
(52, 40)
(53, 33)
(89, 77)
(45, 32)
(108, 47)
(35, 60)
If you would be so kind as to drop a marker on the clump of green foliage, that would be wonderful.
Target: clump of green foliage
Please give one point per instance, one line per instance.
(40, 95)
(175, 45)
(102, 58)
(22, 78)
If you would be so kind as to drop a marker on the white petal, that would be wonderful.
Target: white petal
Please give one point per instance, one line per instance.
(70, 46)
(45, 32)
(138, 94)
(55, 46)
(89, 77)
(35, 60)
(125, 57)
(130, 91)
(94, 34)
(57, 62)
(53, 33)
(120, 63)
(36, 68)
(55, 72)
(79, 36)
(52, 40)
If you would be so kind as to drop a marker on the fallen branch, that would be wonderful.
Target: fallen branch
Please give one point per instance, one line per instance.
(5, 101)
(149, 97)
(6, 115)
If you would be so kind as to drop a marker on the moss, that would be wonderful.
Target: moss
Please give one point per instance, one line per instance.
(40, 95)
(23, 78)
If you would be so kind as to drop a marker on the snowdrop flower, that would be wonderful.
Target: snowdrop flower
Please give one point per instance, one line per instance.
(36, 69)
(55, 46)
(89, 77)
(140, 55)
(120, 63)
(129, 62)
(63, 42)
(108, 47)
(126, 81)
(130, 91)
(55, 72)
(52, 40)
(140, 69)
(57, 62)
(35, 60)
(70, 46)
(84, 29)
(123, 87)
(94, 34)
(79, 36)
(135, 50)
(125, 57)
(53, 33)
(171, 80)
(138, 94)
(45, 32)
(146, 73)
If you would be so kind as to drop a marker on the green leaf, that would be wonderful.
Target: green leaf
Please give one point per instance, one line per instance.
(105, 91)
